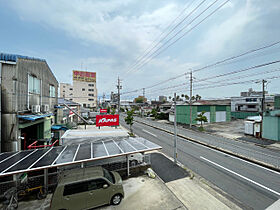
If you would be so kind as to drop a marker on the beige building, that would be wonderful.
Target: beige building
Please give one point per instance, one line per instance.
(66, 91)
(83, 90)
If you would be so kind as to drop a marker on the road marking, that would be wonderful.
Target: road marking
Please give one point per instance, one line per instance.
(149, 133)
(243, 177)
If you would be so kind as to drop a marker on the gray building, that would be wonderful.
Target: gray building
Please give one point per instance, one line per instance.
(28, 96)
(162, 98)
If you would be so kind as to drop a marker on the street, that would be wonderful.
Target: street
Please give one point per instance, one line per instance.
(249, 185)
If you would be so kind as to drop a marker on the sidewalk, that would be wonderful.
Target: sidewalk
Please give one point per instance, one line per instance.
(189, 190)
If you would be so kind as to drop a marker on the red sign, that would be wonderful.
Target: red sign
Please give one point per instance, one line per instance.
(103, 110)
(107, 120)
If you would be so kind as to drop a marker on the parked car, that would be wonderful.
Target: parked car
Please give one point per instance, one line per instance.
(86, 188)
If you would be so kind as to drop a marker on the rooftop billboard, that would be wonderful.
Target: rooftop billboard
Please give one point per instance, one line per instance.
(84, 76)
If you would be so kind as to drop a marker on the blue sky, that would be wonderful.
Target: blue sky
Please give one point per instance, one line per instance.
(107, 37)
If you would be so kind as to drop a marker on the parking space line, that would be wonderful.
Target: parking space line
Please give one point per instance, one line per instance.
(241, 176)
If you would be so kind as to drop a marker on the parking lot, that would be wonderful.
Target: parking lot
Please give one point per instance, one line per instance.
(140, 193)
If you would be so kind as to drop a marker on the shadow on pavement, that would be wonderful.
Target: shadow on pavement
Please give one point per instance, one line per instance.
(166, 169)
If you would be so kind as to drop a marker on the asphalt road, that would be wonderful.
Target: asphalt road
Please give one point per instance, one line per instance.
(245, 149)
(249, 185)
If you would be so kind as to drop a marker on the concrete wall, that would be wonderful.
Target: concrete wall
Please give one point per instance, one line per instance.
(15, 97)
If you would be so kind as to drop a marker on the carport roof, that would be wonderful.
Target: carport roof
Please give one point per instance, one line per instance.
(30, 160)
(33, 117)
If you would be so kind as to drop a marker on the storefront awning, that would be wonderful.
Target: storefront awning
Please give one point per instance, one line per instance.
(33, 117)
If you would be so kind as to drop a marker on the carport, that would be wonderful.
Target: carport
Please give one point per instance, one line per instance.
(42, 159)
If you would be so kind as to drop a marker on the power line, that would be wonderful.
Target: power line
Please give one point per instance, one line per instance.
(146, 54)
(155, 54)
(149, 49)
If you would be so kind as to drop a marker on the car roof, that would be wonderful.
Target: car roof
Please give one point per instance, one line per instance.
(80, 174)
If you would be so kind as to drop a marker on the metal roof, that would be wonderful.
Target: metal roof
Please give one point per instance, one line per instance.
(33, 117)
(30, 160)
(14, 57)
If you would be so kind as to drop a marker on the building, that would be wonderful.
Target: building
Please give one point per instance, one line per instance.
(250, 104)
(29, 92)
(162, 99)
(64, 115)
(66, 91)
(83, 90)
(271, 122)
(214, 111)
(271, 125)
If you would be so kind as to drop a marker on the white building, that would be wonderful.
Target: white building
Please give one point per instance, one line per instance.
(83, 90)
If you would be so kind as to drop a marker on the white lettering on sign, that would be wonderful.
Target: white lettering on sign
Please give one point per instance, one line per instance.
(103, 120)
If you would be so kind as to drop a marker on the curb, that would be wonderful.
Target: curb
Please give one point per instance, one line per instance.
(216, 148)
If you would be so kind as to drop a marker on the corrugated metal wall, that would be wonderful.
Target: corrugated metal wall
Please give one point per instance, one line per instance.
(271, 128)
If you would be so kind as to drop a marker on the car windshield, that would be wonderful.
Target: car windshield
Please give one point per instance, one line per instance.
(108, 175)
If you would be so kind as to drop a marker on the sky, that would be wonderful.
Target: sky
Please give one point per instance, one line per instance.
(108, 37)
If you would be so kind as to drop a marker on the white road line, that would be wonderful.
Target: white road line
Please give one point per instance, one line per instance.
(243, 177)
(149, 133)
(237, 158)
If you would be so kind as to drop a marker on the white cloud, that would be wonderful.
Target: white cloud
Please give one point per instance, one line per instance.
(221, 34)
(93, 22)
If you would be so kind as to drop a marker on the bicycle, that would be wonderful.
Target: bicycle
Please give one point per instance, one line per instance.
(42, 193)
(11, 201)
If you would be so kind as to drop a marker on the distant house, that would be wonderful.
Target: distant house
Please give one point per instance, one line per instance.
(250, 104)
(64, 115)
(29, 92)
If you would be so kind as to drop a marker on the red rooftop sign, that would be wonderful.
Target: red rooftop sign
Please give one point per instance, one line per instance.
(103, 110)
(107, 120)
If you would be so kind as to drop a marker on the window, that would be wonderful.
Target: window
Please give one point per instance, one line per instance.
(91, 85)
(90, 89)
(84, 105)
(251, 106)
(70, 88)
(108, 175)
(75, 188)
(83, 89)
(90, 99)
(52, 91)
(90, 94)
(34, 85)
(96, 184)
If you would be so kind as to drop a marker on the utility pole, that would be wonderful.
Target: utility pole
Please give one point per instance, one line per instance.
(103, 101)
(191, 80)
(263, 96)
(143, 92)
(175, 131)
(119, 96)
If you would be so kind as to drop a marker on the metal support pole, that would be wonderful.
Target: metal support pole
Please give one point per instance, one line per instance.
(263, 101)
(191, 80)
(119, 96)
(127, 160)
(175, 131)
(46, 179)
(82, 165)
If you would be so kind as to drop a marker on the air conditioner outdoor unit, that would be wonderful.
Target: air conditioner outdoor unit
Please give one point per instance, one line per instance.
(35, 108)
(45, 107)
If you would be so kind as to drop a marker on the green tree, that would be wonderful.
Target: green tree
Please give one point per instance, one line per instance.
(201, 118)
(154, 113)
(187, 97)
(177, 98)
(169, 97)
(129, 120)
(113, 111)
(139, 100)
(108, 109)
(197, 97)
(193, 98)
(182, 95)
